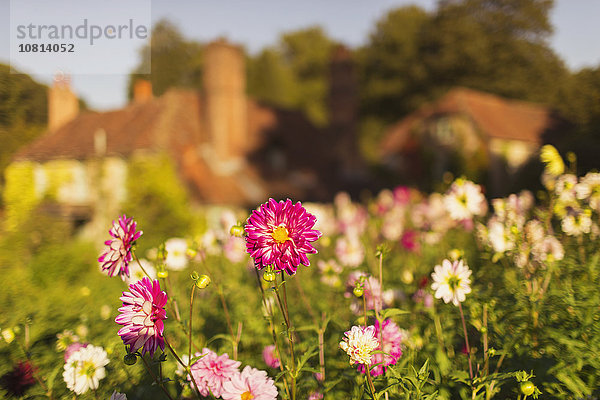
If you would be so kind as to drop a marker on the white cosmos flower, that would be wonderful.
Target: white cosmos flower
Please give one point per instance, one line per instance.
(85, 368)
(499, 236)
(576, 225)
(465, 200)
(360, 343)
(176, 254)
(451, 281)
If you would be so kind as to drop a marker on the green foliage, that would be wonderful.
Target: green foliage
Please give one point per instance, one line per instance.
(19, 197)
(176, 62)
(157, 199)
(23, 113)
(270, 79)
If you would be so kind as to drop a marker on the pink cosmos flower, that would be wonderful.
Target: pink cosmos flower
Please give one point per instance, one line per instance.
(117, 256)
(212, 371)
(142, 315)
(391, 337)
(280, 233)
(73, 347)
(250, 384)
(270, 356)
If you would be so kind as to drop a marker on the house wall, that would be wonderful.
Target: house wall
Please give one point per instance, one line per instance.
(92, 189)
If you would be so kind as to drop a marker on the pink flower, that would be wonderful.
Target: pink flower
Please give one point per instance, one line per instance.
(250, 384)
(280, 233)
(142, 315)
(372, 291)
(270, 356)
(391, 343)
(410, 241)
(73, 347)
(117, 256)
(212, 371)
(315, 396)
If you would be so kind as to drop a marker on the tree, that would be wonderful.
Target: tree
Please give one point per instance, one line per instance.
(23, 113)
(307, 52)
(392, 77)
(271, 79)
(176, 62)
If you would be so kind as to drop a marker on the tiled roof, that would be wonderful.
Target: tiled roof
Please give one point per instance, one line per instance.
(173, 124)
(494, 116)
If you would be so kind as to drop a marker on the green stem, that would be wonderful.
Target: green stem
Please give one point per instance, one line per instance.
(272, 329)
(462, 317)
(370, 381)
(158, 382)
(187, 367)
(285, 311)
(191, 317)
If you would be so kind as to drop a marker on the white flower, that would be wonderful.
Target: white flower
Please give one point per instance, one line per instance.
(359, 344)
(117, 396)
(85, 368)
(451, 281)
(499, 237)
(577, 224)
(176, 254)
(136, 272)
(565, 187)
(393, 224)
(465, 200)
(330, 272)
(548, 250)
(234, 249)
(350, 251)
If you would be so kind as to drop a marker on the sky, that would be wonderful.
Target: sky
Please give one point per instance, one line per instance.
(256, 24)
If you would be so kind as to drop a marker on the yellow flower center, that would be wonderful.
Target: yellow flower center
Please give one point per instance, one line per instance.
(88, 369)
(247, 396)
(454, 282)
(280, 234)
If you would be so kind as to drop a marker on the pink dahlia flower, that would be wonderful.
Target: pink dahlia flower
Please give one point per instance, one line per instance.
(212, 371)
(391, 337)
(250, 384)
(117, 256)
(270, 356)
(142, 315)
(280, 233)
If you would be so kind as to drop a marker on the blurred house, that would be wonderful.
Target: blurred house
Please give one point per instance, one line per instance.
(226, 148)
(472, 133)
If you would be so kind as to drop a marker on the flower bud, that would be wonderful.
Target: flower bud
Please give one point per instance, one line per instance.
(269, 275)
(162, 274)
(237, 231)
(191, 253)
(358, 291)
(130, 359)
(527, 388)
(194, 276)
(203, 281)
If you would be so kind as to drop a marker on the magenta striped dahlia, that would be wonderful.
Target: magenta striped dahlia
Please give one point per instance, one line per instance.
(118, 254)
(279, 234)
(142, 315)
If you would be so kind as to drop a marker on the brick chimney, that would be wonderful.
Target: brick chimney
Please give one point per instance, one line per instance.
(142, 91)
(224, 82)
(63, 105)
